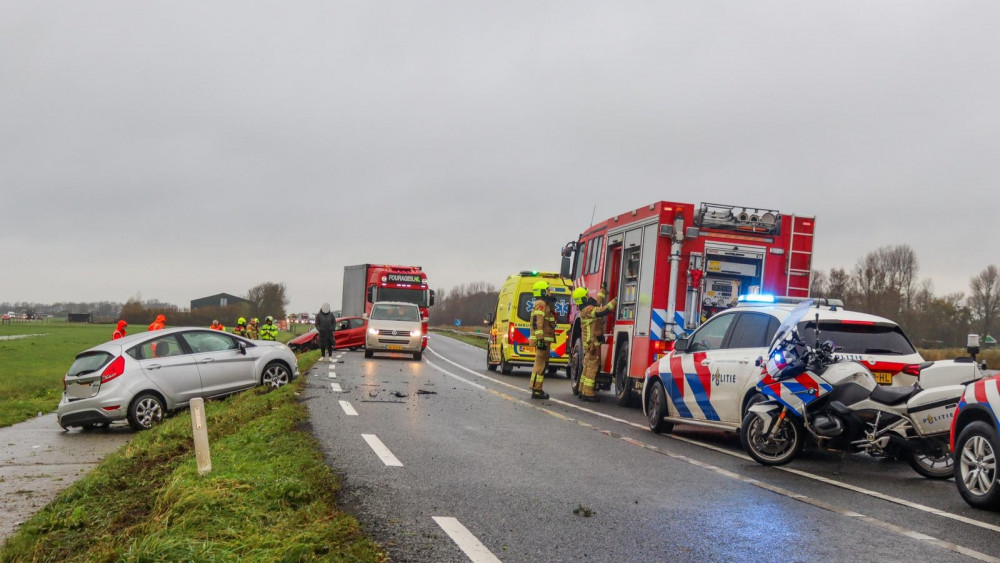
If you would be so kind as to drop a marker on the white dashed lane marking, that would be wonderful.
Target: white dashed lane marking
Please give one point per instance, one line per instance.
(468, 543)
(336, 388)
(381, 451)
(348, 409)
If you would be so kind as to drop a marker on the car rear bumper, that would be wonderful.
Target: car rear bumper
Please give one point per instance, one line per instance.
(100, 408)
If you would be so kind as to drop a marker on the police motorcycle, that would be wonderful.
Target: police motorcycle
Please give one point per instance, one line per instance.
(810, 392)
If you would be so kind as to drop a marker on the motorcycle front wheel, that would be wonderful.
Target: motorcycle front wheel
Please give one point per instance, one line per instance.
(777, 448)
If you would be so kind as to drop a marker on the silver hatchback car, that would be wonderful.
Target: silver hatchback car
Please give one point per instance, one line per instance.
(144, 376)
(395, 326)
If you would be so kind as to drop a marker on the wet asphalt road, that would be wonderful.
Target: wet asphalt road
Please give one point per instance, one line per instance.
(521, 475)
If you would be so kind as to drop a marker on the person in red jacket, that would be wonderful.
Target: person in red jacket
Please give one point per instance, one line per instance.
(159, 323)
(120, 331)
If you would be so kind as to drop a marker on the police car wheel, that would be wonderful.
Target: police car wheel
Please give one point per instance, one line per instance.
(656, 409)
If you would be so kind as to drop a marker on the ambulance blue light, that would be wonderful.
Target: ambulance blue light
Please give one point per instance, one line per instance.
(756, 298)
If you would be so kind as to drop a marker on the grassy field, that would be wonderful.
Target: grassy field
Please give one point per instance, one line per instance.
(477, 341)
(270, 496)
(31, 369)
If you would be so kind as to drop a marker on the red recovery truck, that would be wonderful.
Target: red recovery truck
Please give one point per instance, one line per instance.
(672, 265)
(366, 284)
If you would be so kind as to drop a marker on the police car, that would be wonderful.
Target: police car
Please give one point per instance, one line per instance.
(710, 377)
(975, 439)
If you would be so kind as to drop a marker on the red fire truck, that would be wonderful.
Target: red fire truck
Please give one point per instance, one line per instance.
(365, 284)
(672, 265)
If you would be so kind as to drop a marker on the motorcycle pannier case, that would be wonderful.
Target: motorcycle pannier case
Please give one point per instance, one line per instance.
(932, 410)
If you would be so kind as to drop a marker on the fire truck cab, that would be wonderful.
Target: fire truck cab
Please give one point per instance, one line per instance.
(672, 265)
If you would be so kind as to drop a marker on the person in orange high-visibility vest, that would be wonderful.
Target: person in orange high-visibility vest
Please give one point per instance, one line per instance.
(216, 325)
(159, 323)
(120, 331)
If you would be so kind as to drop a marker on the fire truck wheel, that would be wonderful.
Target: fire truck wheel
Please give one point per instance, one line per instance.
(505, 368)
(623, 383)
(575, 367)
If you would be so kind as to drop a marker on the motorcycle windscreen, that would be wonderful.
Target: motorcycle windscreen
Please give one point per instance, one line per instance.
(797, 314)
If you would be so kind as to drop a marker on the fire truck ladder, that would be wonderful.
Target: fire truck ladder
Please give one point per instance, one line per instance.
(801, 237)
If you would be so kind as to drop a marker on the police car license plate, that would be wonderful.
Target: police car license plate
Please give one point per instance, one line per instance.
(883, 377)
(395, 346)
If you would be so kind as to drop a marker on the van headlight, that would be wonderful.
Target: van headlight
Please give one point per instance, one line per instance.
(373, 331)
(416, 332)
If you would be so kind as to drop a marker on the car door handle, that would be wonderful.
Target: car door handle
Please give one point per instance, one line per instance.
(153, 366)
(744, 360)
(206, 361)
(706, 362)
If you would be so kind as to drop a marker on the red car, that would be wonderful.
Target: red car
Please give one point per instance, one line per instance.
(350, 333)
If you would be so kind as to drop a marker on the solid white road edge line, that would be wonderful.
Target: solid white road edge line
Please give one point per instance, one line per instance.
(779, 490)
(468, 543)
(799, 472)
(336, 388)
(348, 409)
(381, 451)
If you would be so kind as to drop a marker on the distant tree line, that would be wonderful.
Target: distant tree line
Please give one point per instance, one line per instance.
(469, 303)
(268, 298)
(885, 282)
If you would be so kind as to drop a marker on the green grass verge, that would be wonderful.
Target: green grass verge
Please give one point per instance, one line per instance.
(270, 496)
(31, 369)
(476, 341)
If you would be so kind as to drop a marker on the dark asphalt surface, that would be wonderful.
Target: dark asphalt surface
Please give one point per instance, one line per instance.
(512, 471)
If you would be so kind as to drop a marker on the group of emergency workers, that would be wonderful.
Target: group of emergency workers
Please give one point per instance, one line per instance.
(543, 336)
(267, 331)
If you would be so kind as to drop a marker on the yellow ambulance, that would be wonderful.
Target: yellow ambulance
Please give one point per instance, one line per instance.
(511, 322)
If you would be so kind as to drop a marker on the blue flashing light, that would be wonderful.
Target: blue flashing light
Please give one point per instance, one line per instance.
(756, 298)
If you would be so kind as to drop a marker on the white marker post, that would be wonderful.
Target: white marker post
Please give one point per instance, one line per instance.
(199, 426)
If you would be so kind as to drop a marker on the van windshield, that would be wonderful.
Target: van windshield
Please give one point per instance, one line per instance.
(526, 301)
(408, 313)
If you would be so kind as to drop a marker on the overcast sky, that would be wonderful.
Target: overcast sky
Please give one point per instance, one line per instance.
(181, 149)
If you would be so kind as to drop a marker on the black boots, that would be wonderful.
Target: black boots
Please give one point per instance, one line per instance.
(538, 394)
(587, 399)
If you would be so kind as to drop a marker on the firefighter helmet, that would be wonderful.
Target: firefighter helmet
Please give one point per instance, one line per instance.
(579, 295)
(241, 321)
(540, 289)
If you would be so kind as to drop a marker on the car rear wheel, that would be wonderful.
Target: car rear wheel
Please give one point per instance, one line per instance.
(976, 476)
(275, 375)
(505, 367)
(145, 411)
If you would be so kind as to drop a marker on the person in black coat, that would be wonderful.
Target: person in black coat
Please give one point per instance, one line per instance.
(326, 322)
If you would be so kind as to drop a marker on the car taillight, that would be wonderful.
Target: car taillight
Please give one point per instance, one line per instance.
(912, 369)
(115, 369)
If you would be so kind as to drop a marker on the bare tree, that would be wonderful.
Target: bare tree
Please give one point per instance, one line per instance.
(985, 299)
(267, 298)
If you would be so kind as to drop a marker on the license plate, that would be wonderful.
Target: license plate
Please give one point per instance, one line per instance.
(395, 346)
(883, 377)
(528, 350)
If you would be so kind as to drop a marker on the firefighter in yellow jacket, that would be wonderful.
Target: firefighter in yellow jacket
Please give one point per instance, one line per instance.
(543, 336)
(592, 315)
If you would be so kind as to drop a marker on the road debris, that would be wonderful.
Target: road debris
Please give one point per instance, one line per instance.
(398, 394)
(426, 392)
(581, 510)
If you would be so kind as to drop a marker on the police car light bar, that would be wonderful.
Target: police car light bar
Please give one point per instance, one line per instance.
(756, 298)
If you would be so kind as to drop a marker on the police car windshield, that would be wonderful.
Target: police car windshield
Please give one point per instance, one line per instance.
(859, 338)
(526, 301)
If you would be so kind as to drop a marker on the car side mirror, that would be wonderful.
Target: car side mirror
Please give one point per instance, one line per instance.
(565, 267)
(242, 348)
(759, 361)
(682, 344)
(430, 302)
(490, 318)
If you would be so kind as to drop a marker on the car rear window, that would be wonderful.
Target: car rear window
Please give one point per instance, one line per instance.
(88, 363)
(526, 301)
(860, 338)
